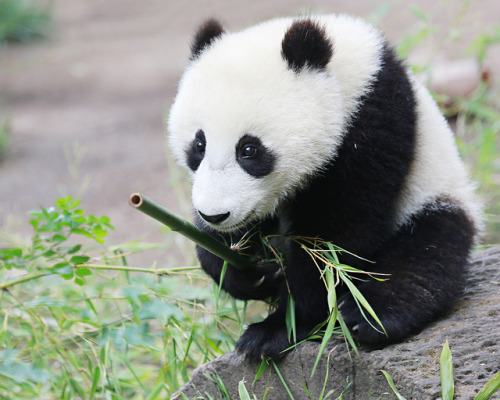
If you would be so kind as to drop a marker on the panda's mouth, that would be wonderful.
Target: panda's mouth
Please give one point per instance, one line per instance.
(237, 226)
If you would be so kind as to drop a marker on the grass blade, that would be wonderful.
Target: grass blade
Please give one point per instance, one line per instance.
(95, 382)
(447, 385)
(262, 368)
(490, 388)
(392, 385)
(282, 380)
(242, 391)
(156, 391)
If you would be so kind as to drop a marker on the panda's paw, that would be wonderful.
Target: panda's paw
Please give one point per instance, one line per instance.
(263, 340)
(260, 283)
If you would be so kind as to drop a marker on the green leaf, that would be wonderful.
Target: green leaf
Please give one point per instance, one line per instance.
(262, 368)
(95, 382)
(79, 259)
(58, 238)
(6, 254)
(242, 391)
(74, 249)
(62, 268)
(79, 281)
(360, 299)
(290, 319)
(326, 338)
(81, 272)
(282, 379)
(447, 385)
(346, 333)
(330, 283)
(490, 388)
(392, 385)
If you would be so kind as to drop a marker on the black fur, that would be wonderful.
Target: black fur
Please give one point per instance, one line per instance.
(351, 204)
(260, 162)
(206, 34)
(306, 44)
(426, 261)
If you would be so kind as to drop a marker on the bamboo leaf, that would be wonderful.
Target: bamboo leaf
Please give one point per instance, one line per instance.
(330, 283)
(326, 338)
(347, 333)
(290, 319)
(447, 385)
(360, 299)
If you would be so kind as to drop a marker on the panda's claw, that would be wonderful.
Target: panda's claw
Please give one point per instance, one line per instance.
(260, 281)
(278, 274)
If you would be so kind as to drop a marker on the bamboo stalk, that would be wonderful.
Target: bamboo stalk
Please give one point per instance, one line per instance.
(174, 222)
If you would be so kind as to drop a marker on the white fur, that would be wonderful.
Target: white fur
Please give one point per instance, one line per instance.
(242, 85)
(437, 171)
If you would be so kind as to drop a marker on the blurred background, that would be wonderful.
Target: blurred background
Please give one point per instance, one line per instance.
(85, 87)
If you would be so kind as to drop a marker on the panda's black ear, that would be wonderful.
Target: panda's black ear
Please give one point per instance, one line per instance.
(205, 35)
(306, 44)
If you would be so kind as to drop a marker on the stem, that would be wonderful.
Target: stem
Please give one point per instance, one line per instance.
(6, 285)
(165, 271)
(149, 207)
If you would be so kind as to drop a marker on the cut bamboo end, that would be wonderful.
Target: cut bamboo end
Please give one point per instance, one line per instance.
(136, 200)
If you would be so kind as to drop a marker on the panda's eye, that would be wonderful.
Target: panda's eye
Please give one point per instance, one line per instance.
(248, 151)
(199, 146)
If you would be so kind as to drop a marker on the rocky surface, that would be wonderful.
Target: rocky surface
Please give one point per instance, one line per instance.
(472, 329)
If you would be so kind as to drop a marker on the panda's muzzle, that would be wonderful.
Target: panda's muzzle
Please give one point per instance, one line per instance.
(214, 219)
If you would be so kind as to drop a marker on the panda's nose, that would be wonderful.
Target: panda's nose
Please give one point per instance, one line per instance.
(214, 219)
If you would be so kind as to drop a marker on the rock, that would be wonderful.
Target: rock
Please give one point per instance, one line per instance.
(472, 329)
(457, 78)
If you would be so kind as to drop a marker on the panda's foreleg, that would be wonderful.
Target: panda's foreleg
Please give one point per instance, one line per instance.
(426, 261)
(259, 283)
(303, 283)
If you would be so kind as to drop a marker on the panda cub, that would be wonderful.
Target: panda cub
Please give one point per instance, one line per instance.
(313, 127)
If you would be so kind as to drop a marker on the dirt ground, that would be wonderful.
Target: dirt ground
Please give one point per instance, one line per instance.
(87, 108)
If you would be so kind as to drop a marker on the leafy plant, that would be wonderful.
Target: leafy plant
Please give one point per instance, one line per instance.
(51, 252)
(78, 321)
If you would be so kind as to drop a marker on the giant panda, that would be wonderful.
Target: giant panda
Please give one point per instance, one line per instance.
(312, 127)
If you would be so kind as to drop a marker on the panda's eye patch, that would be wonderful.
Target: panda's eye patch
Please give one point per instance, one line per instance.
(196, 150)
(255, 158)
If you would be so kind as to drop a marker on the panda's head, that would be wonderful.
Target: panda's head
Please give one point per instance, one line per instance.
(257, 113)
